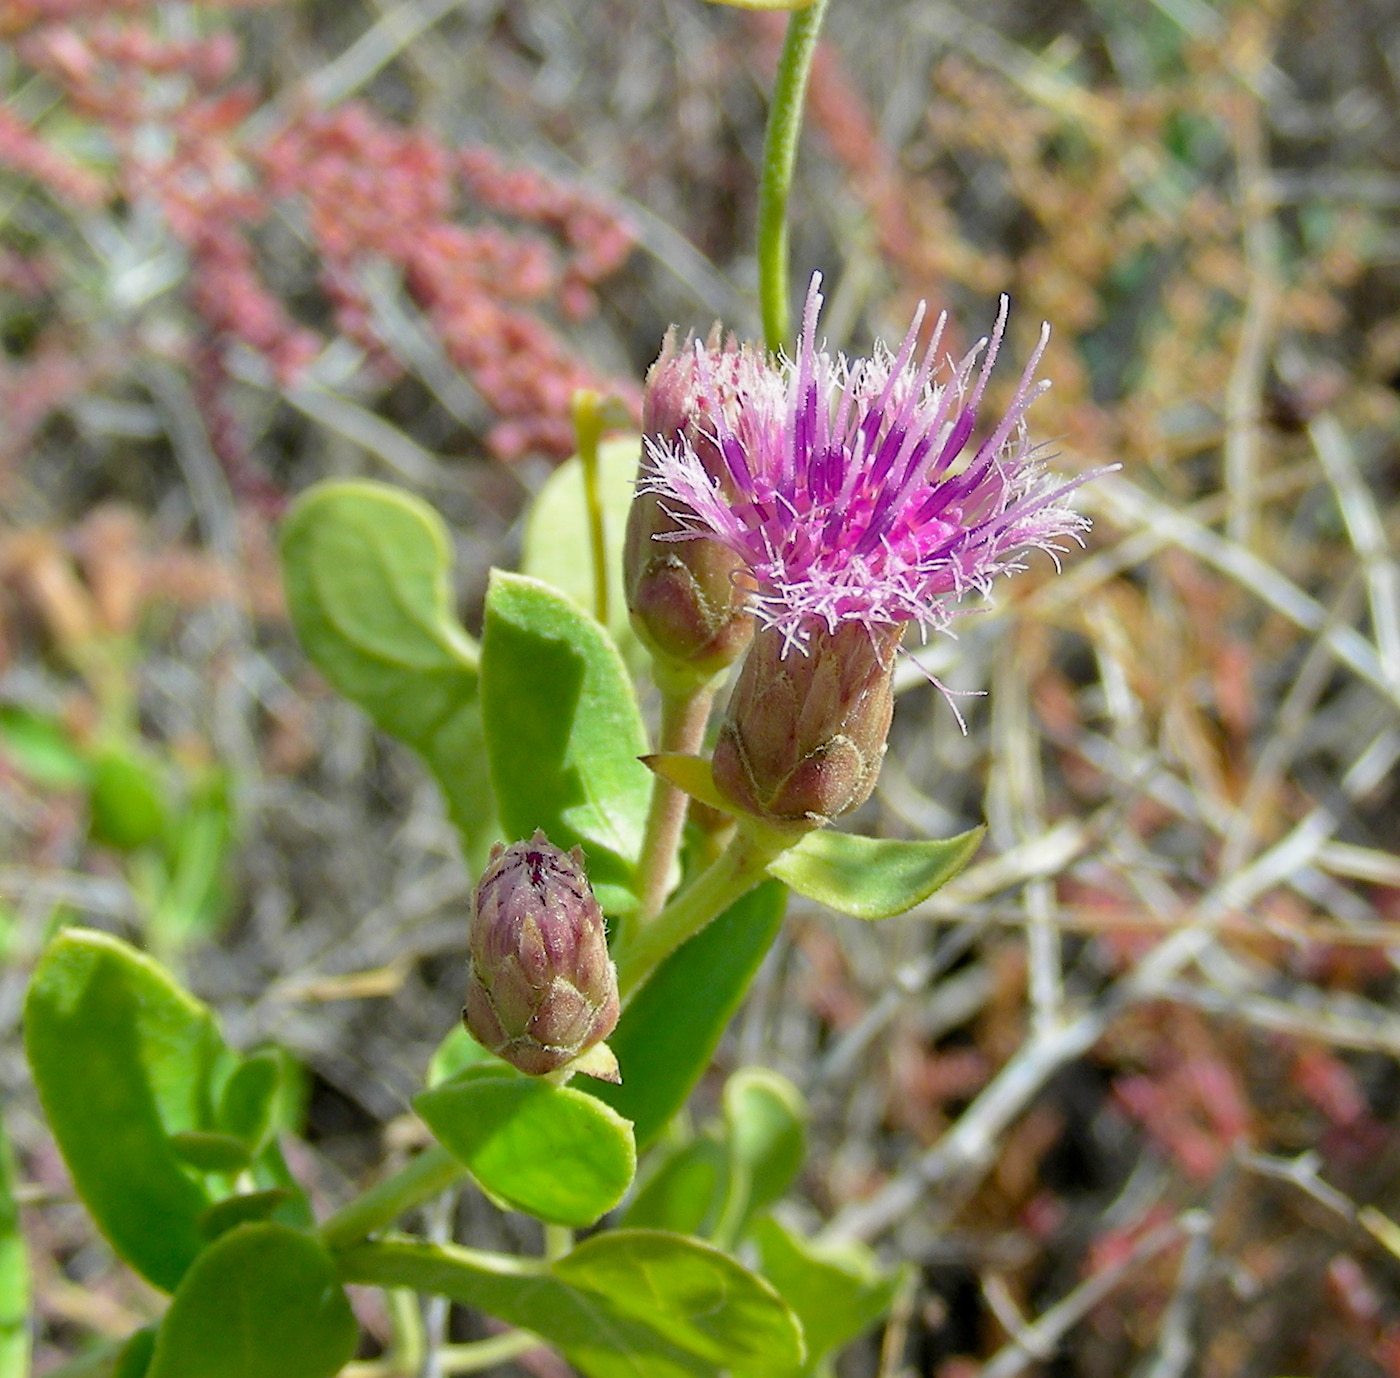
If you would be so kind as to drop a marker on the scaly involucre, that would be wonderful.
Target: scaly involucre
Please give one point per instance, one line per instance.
(852, 491)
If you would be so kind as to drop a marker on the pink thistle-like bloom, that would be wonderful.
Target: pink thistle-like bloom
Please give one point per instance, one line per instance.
(853, 491)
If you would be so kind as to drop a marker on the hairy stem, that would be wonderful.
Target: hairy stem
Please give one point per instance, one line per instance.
(431, 1172)
(684, 714)
(738, 869)
(779, 159)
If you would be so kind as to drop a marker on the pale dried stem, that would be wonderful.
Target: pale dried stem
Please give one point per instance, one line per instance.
(959, 1160)
(1244, 393)
(1125, 502)
(1036, 1343)
(1016, 809)
(1366, 531)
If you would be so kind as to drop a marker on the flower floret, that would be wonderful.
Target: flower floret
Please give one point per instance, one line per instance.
(853, 491)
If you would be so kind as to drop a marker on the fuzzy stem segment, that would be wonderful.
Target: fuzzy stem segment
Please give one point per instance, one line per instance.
(779, 159)
(684, 714)
(738, 869)
(432, 1171)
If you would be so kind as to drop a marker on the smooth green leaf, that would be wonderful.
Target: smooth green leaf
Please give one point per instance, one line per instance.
(556, 548)
(191, 900)
(42, 748)
(209, 1151)
(247, 1209)
(134, 1361)
(837, 1291)
(263, 1301)
(127, 799)
(368, 570)
(693, 1294)
(683, 1193)
(14, 1275)
(765, 1120)
(248, 1105)
(457, 1052)
(870, 877)
(668, 1033)
(563, 731)
(122, 1058)
(692, 774)
(594, 1335)
(549, 1150)
(271, 1174)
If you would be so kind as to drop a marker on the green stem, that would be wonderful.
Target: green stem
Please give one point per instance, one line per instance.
(480, 1355)
(410, 1342)
(589, 421)
(738, 869)
(431, 1172)
(684, 714)
(474, 1357)
(558, 1240)
(779, 159)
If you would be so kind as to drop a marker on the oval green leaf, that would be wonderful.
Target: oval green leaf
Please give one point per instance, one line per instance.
(263, 1301)
(368, 573)
(553, 1152)
(597, 1338)
(208, 1151)
(122, 1059)
(127, 802)
(683, 1193)
(248, 1209)
(668, 1033)
(871, 877)
(563, 731)
(134, 1361)
(699, 1298)
(765, 1119)
(249, 1100)
(837, 1291)
(457, 1052)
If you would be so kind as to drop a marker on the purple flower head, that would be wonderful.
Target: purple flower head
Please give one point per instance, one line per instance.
(855, 492)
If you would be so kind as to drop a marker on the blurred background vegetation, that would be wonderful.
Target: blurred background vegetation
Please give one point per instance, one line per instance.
(247, 246)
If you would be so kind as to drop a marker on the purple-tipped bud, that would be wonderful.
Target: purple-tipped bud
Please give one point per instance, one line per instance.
(685, 603)
(805, 731)
(541, 988)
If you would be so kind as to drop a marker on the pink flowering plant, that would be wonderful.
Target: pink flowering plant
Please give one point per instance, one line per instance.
(787, 518)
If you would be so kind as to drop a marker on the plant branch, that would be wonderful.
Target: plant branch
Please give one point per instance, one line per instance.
(431, 1172)
(684, 713)
(737, 870)
(779, 159)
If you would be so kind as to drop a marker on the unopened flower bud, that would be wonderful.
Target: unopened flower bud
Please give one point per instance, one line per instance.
(684, 601)
(804, 734)
(541, 988)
